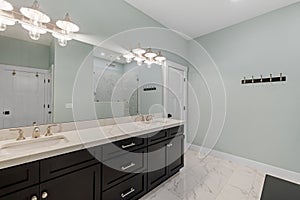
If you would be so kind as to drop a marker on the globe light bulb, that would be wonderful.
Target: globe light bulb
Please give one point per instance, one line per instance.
(62, 42)
(35, 35)
(2, 27)
(128, 60)
(140, 63)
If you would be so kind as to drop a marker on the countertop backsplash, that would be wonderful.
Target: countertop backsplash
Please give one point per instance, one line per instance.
(5, 134)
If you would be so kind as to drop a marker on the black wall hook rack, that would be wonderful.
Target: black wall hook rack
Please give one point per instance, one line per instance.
(262, 79)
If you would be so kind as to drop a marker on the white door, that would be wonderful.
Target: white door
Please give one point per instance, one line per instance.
(176, 92)
(23, 98)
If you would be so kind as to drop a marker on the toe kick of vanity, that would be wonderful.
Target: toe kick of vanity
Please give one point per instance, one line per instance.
(122, 170)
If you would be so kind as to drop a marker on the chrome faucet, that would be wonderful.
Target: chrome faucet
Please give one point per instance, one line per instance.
(36, 131)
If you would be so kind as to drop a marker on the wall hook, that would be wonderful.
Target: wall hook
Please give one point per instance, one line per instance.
(280, 76)
(261, 79)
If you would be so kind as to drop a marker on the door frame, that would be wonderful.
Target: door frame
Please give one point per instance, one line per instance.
(166, 83)
(48, 88)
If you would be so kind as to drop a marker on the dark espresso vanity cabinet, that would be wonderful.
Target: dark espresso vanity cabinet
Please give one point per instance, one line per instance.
(123, 170)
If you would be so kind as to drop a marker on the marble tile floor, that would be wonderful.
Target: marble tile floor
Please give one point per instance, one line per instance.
(210, 178)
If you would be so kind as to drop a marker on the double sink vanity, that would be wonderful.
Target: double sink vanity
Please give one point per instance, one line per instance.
(120, 161)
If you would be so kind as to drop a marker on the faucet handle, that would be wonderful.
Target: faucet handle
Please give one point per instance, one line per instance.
(48, 132)
(21, 133)
(139, 117)
(149, 118)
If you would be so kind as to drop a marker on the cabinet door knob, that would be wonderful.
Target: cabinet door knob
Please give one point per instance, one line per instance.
(169, 145)
(34, 198)
(44, 195)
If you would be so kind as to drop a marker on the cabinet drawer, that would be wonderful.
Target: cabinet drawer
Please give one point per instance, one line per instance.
(63, 164)
(158, 136)
(118, 169)
(117, 148)
(176, 131)
(132, 189)
(19, 177)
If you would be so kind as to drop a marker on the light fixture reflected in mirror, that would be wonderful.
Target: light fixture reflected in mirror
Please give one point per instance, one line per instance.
(141, 56)
(150, 54)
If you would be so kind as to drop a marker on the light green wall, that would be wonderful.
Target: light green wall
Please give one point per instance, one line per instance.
(262, 121)
(67, 63)
(104, 19)
(22, 53)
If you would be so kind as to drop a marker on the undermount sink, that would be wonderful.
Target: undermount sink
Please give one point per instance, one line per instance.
(33, 144)
(152, 122)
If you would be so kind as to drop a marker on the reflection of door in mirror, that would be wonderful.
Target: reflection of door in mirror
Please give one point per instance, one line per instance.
(25, 95)
(176, 92)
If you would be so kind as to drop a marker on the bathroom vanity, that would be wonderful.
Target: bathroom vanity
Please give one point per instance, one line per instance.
(126, 168)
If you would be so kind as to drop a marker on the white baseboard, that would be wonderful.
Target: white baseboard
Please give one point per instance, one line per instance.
(264, 168)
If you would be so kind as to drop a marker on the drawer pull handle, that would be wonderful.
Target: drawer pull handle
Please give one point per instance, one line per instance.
(44, 195)
(129, 145)
(128, 193)
(129, 166)
(169, 145)
(34, 198)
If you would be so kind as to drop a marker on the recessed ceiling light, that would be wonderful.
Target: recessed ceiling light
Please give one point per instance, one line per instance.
(102, 54)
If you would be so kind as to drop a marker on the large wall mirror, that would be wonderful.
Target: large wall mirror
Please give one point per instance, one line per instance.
(126, 89)
(36, 85)
(25, 79)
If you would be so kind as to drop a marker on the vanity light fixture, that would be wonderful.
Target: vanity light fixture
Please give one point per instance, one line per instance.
(147, 56)
(4, 17)
(150, 54)
(129, 56)
(67, 28)
(36, 22)
(4, 5)
(160, 58)
(36, 19)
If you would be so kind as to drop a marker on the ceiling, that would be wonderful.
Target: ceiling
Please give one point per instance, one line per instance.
(97, 19)
(195, 18)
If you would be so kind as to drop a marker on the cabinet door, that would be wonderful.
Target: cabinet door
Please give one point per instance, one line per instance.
(80, 185)
(157, 164)
(18, 178)
(28, 194)
(175, 151)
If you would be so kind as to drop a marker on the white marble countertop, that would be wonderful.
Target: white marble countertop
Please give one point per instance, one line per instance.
(78, 140)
